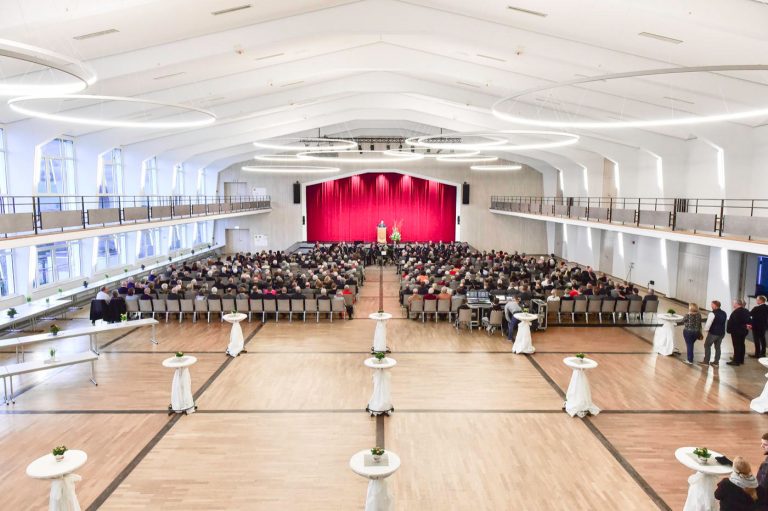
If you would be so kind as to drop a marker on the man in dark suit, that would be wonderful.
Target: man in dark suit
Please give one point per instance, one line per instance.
(759, 315)
(737, 326)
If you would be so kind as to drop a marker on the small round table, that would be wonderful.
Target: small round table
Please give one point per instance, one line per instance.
(236, 336)
(664, 337)
(63, 497)
(760, 404)
(380, 334)
(378, 498)
(381, 397)
(523, 342)
(701, 492)
(578, 399)
(182, 400)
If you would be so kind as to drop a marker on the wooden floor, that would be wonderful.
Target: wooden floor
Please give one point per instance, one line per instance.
(476, 426)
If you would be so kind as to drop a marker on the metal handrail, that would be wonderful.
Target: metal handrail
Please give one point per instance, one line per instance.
(165, 207)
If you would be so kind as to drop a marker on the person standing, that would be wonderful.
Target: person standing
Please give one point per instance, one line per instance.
(510, 309)
(759, 315)
(737, 326)
(762, 471)
(691, 330)
(715, 328)
(739, 491)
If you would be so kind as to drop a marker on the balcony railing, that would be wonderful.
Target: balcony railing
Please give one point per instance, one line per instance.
(737, 218)
(25, 215)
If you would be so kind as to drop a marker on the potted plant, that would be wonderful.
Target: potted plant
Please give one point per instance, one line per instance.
(581, 357)
(52, 353)
(106, 276)
(29, 299)
(702, 454)
(671, 312)
(126, 270)
(61, 290)
(377, 453)
(55, 329)
(379, 356)
(124, 317)
(12, 312)
(58, 452)
(47, 301)
(179, 354)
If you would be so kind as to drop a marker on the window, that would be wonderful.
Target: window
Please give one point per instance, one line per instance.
(148, 242)
(110, 177)
(200, 237)
(6, 273)
(57, 261)
(177, 237)
(110, 251)
(56, 172)
(201, 182)
(149, 173)
(178, 172)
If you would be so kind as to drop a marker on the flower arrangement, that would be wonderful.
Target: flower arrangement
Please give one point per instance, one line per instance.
(55, 329)
(179, 354)
(47, 301)
(126, 270)
(124, 317)
(61, 290)
(106, 275)
(52, 353)
(29, 299)
(12, 312)
(525, 310)
(671, 311)
(703, 454)
(58, 452)
(580, 356)
(379, 356)
(377, 453)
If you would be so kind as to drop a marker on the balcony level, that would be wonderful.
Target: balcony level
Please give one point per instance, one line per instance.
(61, 218)
(734, 224)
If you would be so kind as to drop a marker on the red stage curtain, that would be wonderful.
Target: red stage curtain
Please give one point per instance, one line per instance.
(349, 209)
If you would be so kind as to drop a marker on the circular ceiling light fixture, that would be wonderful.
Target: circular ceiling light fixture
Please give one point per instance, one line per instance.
(288, 144)
(288, 158)
(22, 82)
(289, 169)
(430, 154)
(467, 159)
(499, 141)
(346, 157)
(116, 109)
(495, 168)
(504, 108)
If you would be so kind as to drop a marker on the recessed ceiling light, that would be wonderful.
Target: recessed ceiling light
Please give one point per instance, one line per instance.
(96, 34)
(491, 58)
(679, 100)
(163, 77)
(231, 9)
(265, 57)
(527, 11)
(469, 84)
(659, 37)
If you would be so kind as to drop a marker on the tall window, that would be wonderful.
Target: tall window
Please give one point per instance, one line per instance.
(200, 237)
(178, 171)
(110, 177)
(56, 172)
(177, 237)
(110, 251)
(149, 186)
(201, 182)
(148, 242)
(57, 261)
(4, 204)
(6, 273)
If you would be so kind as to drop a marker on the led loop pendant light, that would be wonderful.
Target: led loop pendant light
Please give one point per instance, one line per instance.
(289, 169)
(358, 157)
(466, 159)
(502, 109)
(278, 158)
(300, 144)
(24, 84)
(498, 141)
(201, 117)
(495, 168)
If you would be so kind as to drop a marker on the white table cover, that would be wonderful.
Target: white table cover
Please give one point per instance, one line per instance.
(62, 496)
(236, 340)
(181, 387)
(664, 337)
(381, 397)
(760, 403)
(378, 496)
(701, 492)
(380, 334)
(523, 341)
(578, 398)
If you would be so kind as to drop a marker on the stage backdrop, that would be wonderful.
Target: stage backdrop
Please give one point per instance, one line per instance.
(349, 209)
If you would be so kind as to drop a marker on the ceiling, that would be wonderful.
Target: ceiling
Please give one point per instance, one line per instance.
(276, 69)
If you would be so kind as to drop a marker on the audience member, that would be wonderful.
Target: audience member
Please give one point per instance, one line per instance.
(691, 330)
(759, 316)
(715, 328)
(737, 326)
(739, 491)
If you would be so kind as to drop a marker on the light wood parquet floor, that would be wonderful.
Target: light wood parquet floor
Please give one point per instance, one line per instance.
(476, 426)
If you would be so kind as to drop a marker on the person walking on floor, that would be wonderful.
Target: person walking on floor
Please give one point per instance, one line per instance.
(691, 330)
(738, 327)
(759, 315)
(715, 328)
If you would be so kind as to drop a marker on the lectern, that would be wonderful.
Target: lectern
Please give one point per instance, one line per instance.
(381, 233)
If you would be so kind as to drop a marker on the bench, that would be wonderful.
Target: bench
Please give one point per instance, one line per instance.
(9, 371)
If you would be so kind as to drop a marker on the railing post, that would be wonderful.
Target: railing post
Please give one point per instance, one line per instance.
(637, 220)
(722, 210)
(610, 210)
(82, 210)
(35, 211)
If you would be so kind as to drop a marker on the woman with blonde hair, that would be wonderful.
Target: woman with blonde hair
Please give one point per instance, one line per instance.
(739, 491)
(691, 330)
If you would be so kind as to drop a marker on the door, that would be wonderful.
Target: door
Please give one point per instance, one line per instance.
(692, 273)
(238, 240)
(607, 241)
(235, 189)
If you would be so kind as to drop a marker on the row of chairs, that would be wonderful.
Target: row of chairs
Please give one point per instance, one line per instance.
(298, 306)
(600, 306)
(422, 308)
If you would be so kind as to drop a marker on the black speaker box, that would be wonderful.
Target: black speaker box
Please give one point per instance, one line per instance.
(296, 193)
(465, 193)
